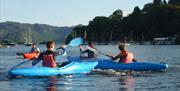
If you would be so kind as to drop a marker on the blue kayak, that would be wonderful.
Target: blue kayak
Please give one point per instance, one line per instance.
(71, 68)
(135, 66)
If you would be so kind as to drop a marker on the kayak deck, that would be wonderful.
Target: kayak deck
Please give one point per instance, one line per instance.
(136, 66)
(71, 68)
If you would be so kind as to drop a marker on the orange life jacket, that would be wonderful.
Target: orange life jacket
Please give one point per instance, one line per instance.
(128, 57)
(49, 60)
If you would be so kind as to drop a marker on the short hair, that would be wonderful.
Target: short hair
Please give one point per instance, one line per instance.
(33, 44)
(121, 46)
(89, 42)
(50, 44)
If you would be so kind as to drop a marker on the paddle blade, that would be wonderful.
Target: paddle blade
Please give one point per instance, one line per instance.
(76, 42)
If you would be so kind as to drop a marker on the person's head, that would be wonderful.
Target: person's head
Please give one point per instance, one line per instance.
(33, 45)
(90, 43)
(121, 47)
(50, 45)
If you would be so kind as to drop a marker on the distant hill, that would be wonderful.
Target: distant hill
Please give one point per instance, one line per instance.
(20, 32)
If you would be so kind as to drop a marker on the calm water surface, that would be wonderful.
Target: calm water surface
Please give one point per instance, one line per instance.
(168, 80)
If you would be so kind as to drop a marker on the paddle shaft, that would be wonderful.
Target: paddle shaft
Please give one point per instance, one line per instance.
(19, 64)
(103, 54)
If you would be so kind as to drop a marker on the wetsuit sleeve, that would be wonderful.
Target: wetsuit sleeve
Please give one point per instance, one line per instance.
(116, 57)
(91, 49)
(60, 51)
(134, 60)
(32, 49)
(35, 61)
(81, 49)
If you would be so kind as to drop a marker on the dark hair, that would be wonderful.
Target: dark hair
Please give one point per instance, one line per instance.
(49, 44)
(33, 44)
(89, 42)
(121, 47)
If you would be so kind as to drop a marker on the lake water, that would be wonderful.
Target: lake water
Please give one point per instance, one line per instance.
(168, 80)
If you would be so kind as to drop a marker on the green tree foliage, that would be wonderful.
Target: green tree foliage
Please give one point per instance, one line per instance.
(117, 15)
(68, 39)
(157, 19)
(174, 2)
(157, 2)
(164, 2)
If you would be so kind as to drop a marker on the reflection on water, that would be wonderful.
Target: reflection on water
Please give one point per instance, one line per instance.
(51, 84)
(169, 80)
(126, 83)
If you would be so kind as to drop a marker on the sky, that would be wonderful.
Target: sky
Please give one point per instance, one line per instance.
(63, 12)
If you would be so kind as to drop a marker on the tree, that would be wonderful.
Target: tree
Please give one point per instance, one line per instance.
(174, 2)
(164, 2)
(118, 14)
(136, 11)
(157, 2)
(156, 19)
(68, 39)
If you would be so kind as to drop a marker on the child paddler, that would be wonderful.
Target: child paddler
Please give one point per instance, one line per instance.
(49, 56)
(90, 52)
(124, 56)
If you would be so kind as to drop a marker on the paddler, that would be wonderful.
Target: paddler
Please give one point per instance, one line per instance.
(35, 48)
(90, 52)
(49, 56)
(124, 56)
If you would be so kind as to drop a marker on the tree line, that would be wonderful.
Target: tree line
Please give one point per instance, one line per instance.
(156, 19)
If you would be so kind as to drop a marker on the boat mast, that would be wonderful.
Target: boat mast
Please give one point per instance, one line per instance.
(85, 35)
(29, 36)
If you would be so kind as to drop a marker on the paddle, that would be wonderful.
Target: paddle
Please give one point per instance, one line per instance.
(103, 54)
(20, 64)
(75, 42)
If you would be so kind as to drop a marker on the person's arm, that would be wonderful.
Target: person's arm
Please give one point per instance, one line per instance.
(116, 57)
(91, 49)
(60, 51)
(134, 60)
(81, 49)
(35, 61)
(31, 50)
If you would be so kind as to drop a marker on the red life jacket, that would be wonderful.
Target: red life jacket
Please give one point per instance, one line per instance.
(129, 58)
(49, 60)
